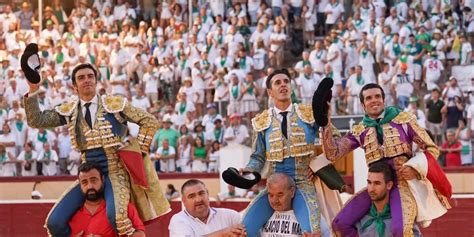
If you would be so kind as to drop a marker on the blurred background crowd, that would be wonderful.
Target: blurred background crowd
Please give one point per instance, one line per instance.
(200, 66)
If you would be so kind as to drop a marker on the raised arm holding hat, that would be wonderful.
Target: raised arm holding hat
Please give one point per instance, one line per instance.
(98, 129)
(284, 138)
(387, 135)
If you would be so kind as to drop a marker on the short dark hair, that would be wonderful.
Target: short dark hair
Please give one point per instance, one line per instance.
(191, 182)
(370, 86)
(284, 71)
(88, 166)
(384, 168)
(82, 66)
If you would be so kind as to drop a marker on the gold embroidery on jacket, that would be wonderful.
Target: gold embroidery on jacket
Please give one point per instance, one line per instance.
(279, 147)
(262, 121)
(305, 113)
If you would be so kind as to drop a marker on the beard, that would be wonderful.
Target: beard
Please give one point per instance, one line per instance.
(94, 195)
(379, 197)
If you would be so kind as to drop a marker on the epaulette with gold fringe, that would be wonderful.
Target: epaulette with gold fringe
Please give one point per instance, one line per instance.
(66, 109)
(404, 117)
(358, 129)
(113, 104)
(305, 113)
(262, 121)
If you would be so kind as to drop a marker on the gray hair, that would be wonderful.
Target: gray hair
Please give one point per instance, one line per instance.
(279, 177)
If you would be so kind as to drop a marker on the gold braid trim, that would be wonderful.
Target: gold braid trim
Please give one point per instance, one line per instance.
(444, 200)
(262, 121)
(358, 129)
(305, 113)
(409, 209)
(424, 141)
(113, 104)
(67, 109)
(404, 117)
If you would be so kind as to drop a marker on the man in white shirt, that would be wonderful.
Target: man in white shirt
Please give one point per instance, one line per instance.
(222, 61)
(385, 81)
(49, 158)
(466, 51)
(318, 57)
(166, 155)
(120, 11)
(393, 20)
(277, 42)
(307, 84)
(333, 11)
(260, 32)
(232, 40)
(7, 17)
(353, 86)
(118, 81)
(432, 68)
(281, 191)
(198, 219)
(402, 85)
(140, 100)
(334, 56)
(64, 148)
(217, 7)
(50, 33)
(210, 117)
(300, 65)
(150, 79)
(236, 132)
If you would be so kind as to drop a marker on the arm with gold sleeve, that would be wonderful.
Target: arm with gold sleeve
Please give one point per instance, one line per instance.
(421, 138)
(147, 122)
(41, 119)
(336, 146)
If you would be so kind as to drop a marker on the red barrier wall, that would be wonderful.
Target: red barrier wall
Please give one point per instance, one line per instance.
(27, 219)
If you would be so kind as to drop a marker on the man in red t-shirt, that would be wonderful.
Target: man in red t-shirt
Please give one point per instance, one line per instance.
(452, 149)
(91, 218)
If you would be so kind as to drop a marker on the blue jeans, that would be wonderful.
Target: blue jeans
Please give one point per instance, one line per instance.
(276, 11)
(296, 11)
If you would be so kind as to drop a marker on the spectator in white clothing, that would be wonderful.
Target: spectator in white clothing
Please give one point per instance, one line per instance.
(236, 132)
(64, 149)
(166, 155)
(28, 159)
(7, 162)
(140, 100)
(8, 139)
(198, 219)
(48, 158)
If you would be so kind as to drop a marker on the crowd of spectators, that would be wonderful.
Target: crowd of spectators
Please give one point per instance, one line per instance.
(205, 81)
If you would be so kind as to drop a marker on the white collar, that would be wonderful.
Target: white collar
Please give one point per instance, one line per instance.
(95, 100)
(288, 109)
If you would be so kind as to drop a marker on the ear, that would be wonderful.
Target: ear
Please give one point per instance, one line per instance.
(293, 191)
(74, 86)
(269, 92)
(389, 185)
